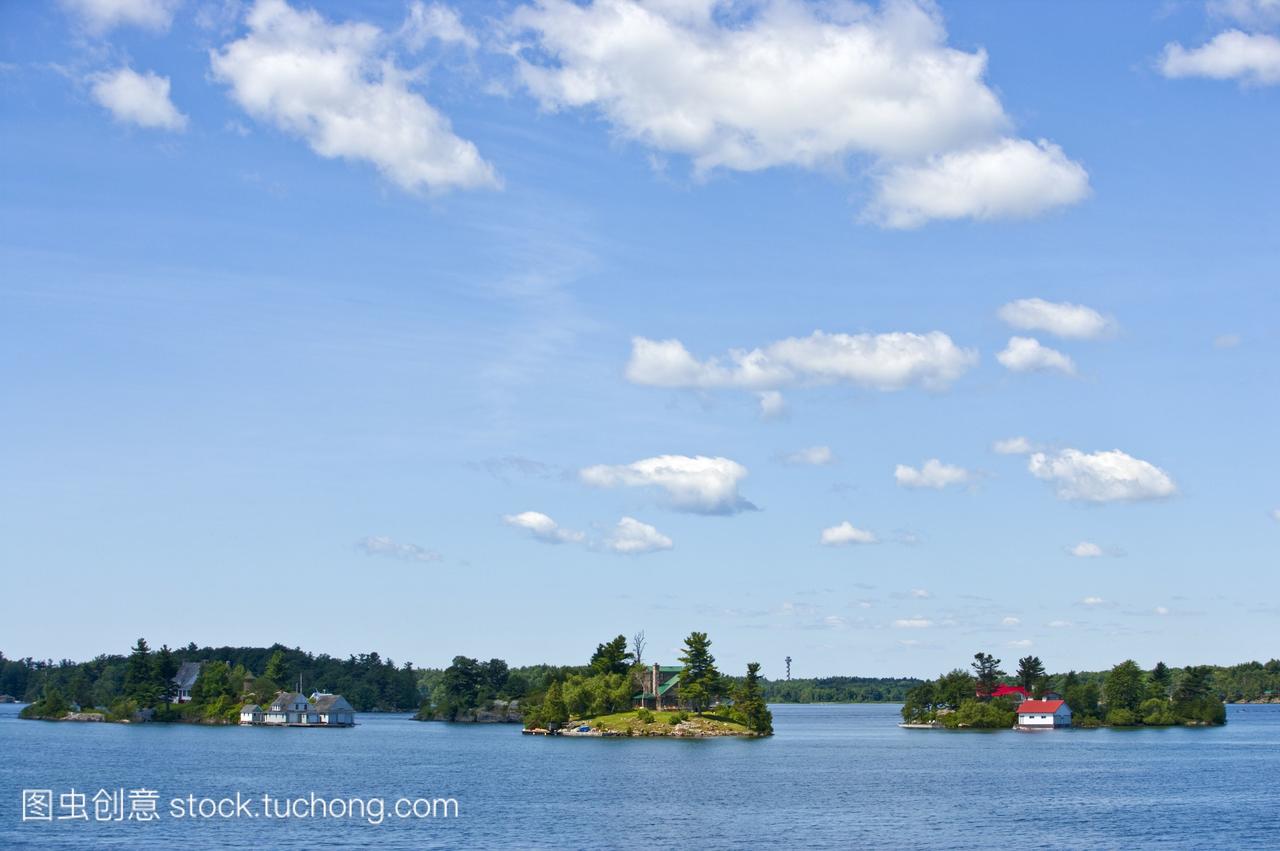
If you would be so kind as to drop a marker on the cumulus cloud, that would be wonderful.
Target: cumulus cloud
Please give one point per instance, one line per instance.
(1251, 13)
(381, 545)
(844, 534)
(1086, 549)
(1008, 179)
(99, 16)
(787, 83)
(543, 527)
(913, 623)
(772, 405)
(1026, 354)
(880, 361)
(699, 483)
(813, 456)
(337, 87)
(435, 22)
(1093, 601)
(1012, 446)
(1109, 476)
(632, 537)
(932, 474)
(1251, 58)
(1062, 319)
(141, 99)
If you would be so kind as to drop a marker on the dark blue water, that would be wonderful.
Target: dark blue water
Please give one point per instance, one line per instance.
(832, 777)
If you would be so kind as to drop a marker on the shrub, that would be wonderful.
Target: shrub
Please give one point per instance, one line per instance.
(675, 718)
(1121, 718)
(645, 716)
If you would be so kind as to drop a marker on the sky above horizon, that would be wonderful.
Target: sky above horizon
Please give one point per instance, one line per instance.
(872, 336)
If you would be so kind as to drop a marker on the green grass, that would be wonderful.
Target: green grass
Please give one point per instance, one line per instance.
(629, 722)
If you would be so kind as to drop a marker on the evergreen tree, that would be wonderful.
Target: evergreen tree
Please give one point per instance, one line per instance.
(1123, 688)
(987, 672)
(612, 657)
(700, 682)
(749, 705)
(165, 667)
(1030, 672)
(276, 670)
(139, 679)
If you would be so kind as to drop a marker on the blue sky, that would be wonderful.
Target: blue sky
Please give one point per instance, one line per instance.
(499, 330)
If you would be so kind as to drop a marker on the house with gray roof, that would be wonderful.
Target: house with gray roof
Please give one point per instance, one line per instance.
(184, 681)
(333, 709)
(289, 707)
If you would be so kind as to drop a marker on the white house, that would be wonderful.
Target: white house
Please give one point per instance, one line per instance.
(1043, 714)
(184, 680)
(251, 714)
(333, 709)
(289, 707)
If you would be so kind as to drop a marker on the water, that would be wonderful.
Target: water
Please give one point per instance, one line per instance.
(832, 777)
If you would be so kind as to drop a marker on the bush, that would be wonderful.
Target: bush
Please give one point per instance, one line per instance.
(675, 718)
(645, 716)
(1156, 712)
(1088, 722)
(1121, 718)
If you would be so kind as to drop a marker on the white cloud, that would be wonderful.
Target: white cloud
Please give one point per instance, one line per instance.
(1026, 354)
(381, 545)
(435, 22)
(815, 456)
(1251, 13)
(913, 623)
(1060, 318)
(932, 474)
(920, 593)
(1093, 601)
(1108, 476)
(141, 99)
(1012, 446)
(772, 405)
(700, 484)
(844, 534)
(1061, 624)
(1021, 642)
(1161, 610)
(1252, 58)
(632, 537)
(543, 527)
(1226, 341)
(1086, 549)
(1008, 179)
(1275, 514)
(1011, 621)
(786, 83)
(335, 86)
(881, 361)
(99, 16)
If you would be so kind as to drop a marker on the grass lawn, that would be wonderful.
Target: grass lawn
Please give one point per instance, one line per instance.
(661, 725)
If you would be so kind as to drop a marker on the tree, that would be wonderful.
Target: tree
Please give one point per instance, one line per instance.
(638, 644)
(1123, 688)
(165, 669)
(953, 689)
(749, 705)
(496, 673)
(1030, 672)
(987, 673)
(612, 657)
(276, 670)
(139, 677)
(700, 682)
(460, 686)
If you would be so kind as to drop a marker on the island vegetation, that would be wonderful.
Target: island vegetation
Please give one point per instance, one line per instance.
(1124, 696)
(140, 686)
(601, 696)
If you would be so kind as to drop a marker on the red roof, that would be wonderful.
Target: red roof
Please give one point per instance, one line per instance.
(1005, 691)
(1048, 707)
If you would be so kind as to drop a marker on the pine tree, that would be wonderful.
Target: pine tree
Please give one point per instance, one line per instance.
(276, 670)
(164, 667)
(986, 668)
(700, 683)
(1030, 672)
(139, 676)
(612, 657)
(749, 703)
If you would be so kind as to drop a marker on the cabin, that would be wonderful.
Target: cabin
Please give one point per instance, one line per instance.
(661, 688)
(1043, 714)
(333, 709)
(1015, 693)
(289, 707)
(251, 714)
(184, 681)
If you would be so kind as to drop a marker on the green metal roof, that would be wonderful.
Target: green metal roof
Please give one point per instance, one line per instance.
(666, 687)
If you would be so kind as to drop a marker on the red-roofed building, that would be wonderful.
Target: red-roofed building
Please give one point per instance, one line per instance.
(1016, 693)
(1043, 714)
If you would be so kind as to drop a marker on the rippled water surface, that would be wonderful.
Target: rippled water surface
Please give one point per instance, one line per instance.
(832, 777)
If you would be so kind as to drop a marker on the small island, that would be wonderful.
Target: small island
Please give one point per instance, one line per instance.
(615, 694)
(986, 698)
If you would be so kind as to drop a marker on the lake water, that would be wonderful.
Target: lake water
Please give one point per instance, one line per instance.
(832, 777)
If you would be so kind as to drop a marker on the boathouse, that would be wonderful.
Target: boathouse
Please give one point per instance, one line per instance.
(1043, 714)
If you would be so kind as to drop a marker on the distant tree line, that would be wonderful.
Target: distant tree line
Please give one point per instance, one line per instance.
(839, 689)
(1124, 696)
(122, 686)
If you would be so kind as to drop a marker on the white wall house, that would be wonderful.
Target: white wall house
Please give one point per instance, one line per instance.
(184, 680)
(1043, 714)
(251, 714)
(333, 709)
(289, 707)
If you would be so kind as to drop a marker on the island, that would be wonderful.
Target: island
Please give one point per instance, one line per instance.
(615, 694)
(986, 698)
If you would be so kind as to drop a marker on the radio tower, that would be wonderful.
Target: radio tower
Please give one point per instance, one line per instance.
(788, 667)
